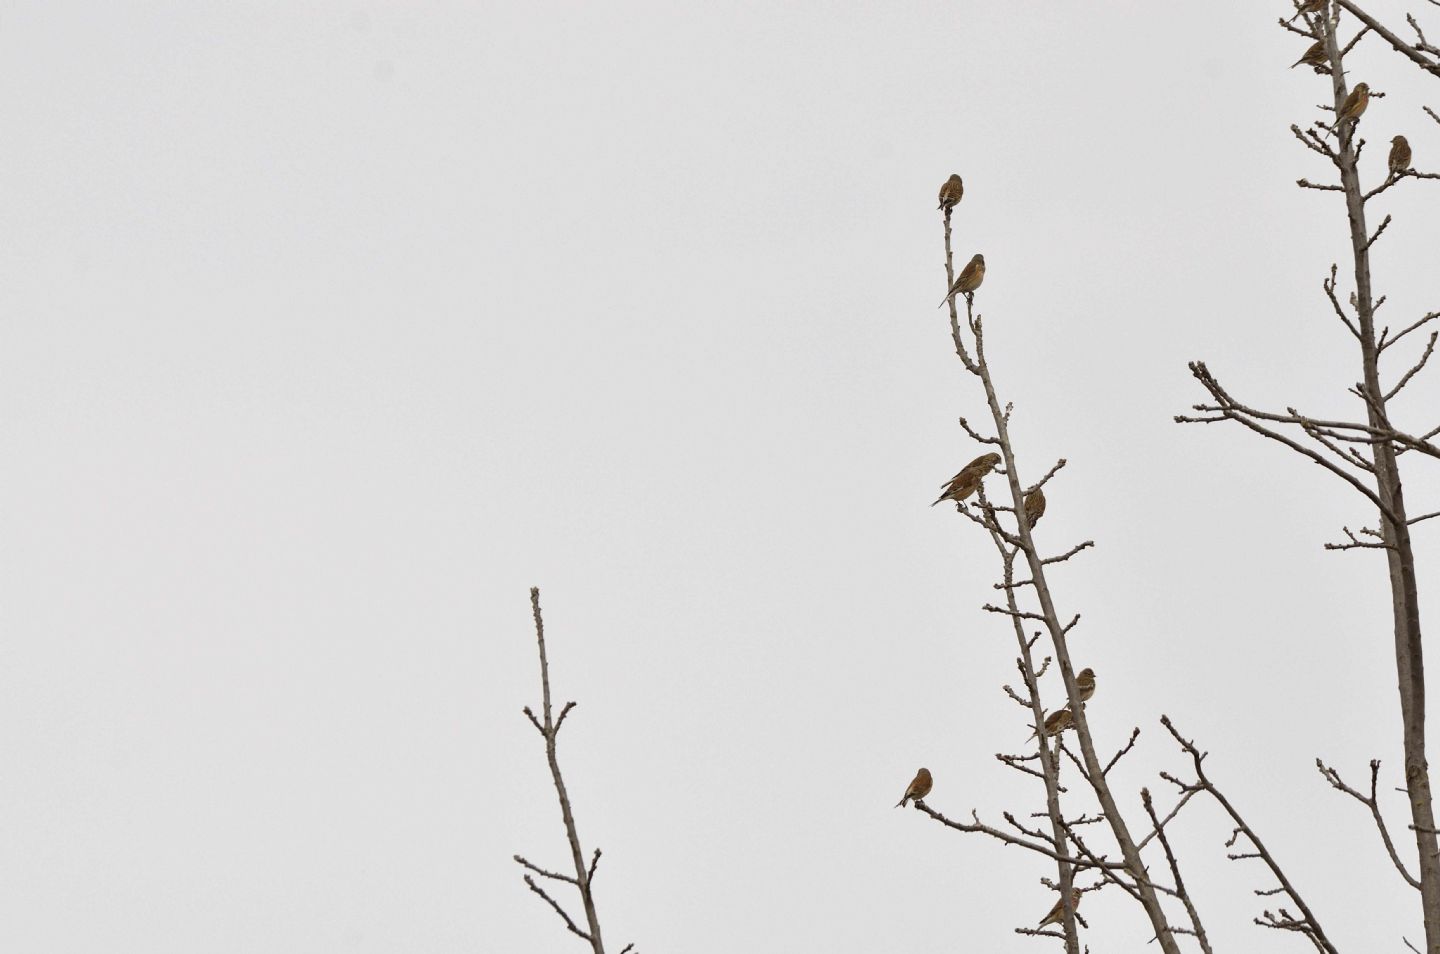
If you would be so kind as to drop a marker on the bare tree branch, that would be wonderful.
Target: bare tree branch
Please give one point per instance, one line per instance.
(1175, 872)
(1307, 925)
(1424, 359)
(1189, 793)
(1405, 331)
(549, 727)
(1358, 544)
(1373, 803)
(976, 826)
(558, 910)
(1404, 49)
(1135, 734)
(1229, 409)
(548, 874)
(1133, 863)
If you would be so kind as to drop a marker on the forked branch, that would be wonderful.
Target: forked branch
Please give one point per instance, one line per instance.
(583, 880)
(1371, 802)
(1306, 924)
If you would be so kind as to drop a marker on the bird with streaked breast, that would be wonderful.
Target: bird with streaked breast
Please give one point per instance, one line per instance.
(1055, 723)
(919, 787)
(967, 481)
(1315, 56)
(968, 280)
(1034, 506)
(1400, 155)
(1354, 105)
(951, 192)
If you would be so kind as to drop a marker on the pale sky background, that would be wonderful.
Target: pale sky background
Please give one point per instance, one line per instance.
(330, 328)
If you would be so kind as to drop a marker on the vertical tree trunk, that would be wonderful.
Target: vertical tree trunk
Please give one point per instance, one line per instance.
(1399, 555)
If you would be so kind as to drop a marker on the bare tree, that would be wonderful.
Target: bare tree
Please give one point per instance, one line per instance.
(584, 878)
(1097, 843)
(1365, 452)
(1063, 843)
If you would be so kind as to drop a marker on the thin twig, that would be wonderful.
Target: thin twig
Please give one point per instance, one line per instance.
(1383, 344)
(1134, 734)
(978, 827)
(1175, 872)
(558, 910)
(548, 874)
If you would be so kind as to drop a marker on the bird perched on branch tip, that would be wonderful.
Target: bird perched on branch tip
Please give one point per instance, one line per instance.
(1400, 155)
(969, 279)
(919, 787)
(951, 192)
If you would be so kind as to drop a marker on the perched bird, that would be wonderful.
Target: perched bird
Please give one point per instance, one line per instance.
(1055, 723)
(951, 193)
(1057, 913)
(1315, 56)
(1034, 506)
(919, 787)
(1309, 6)
(960, 486)
(1085, 682)
(1400, 155)
(1354, 104)
(967, 481)
(970, 278)
(983, 464)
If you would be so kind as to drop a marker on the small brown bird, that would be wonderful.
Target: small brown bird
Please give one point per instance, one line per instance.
(1309, 6)
(970, 278)
(1315, 56)
(919, 787)
(960, 486)
(1400, 155)
(1034, 506)
(983, 464)
(1085, 682)
(951, 193)
(1055, 723)
(1354, 104)
(1057, 913)
(968, 480)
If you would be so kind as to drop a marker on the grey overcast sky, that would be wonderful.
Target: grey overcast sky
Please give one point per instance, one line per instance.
(330, 328)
